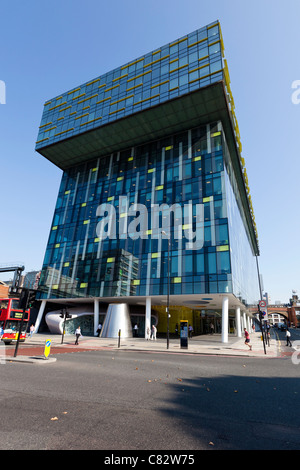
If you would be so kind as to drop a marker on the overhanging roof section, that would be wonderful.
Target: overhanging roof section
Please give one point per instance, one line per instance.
(204, 105)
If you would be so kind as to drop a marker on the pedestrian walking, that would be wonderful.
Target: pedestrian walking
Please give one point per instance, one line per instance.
(148, 333)
(99, 329)
(31, 330)
(77, 334)
(135, 329)
(1, 332)
(212, 328)
(190, 331)
(153, 334)
(247, 339)
(288, 337)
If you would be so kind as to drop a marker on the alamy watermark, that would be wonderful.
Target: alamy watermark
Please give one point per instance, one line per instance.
(137, 221)
(296, 353)
(296, 94)
(2, 92)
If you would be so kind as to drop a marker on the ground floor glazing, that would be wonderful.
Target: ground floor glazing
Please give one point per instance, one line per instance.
(227, 320)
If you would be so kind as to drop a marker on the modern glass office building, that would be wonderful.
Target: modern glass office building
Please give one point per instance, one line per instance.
(154, 202)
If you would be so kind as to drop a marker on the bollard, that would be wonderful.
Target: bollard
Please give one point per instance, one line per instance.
(47, 348)
(119, 338)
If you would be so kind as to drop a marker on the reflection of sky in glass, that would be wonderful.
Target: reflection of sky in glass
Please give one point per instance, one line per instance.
(175, 69)
(178, 170)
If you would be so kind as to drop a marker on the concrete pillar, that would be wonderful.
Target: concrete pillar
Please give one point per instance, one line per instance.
(225, 304)
(238, 322)
(249, 326)
(148, 315)
(244, 321)
(40, 315)
(96, 315)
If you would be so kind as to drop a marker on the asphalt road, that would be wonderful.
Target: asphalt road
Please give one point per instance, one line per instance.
(119, 400)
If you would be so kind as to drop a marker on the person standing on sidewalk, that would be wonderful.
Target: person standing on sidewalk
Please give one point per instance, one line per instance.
(288, 337)
(247, 339)
(99, 329)
(77, 334)
(153, 334)
(148, 333)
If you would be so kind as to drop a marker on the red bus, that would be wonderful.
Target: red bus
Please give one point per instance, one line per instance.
(10, 318)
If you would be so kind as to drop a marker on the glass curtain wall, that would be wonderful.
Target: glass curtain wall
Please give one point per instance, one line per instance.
(182, 169)
(187, 64)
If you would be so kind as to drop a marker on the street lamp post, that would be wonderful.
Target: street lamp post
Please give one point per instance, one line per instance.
(259, 311)
(168, 293)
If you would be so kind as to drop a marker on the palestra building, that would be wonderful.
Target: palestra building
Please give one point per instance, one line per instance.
(153, 210)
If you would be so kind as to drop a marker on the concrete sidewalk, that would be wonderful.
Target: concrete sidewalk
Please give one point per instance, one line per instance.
(205, 345)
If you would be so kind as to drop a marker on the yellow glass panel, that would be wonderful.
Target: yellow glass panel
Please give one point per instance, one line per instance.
(223, 248)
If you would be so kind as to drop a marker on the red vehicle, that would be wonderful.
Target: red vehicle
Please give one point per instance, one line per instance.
(10, 318)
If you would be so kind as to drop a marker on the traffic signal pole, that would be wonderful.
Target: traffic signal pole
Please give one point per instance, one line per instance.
(261, 327)
(64, 314)
(259, 312)
(64, 317)
(20, 331)
(27, 298)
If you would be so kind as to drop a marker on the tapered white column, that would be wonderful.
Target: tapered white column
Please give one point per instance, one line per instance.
(96, 315)
(244, 321)
(148, 315)
(225, 303)
(238, 322)
(117, 318)
(40, 316)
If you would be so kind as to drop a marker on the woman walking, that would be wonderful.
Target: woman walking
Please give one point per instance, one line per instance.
(247, 339)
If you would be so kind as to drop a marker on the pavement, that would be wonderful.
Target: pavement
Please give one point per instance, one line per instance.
(32, 351)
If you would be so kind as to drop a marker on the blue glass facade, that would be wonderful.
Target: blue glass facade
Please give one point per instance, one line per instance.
(170, 207)
(160, 172)
(173, 70)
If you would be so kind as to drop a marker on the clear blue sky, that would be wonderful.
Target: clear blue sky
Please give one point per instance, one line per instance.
(48, 47)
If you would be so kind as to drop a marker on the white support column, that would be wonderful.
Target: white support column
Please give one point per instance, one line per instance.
(96, 315)
(148, 315)
(40, 316)
(238, 322)
(244, 321)
(248, 322)
(225, 303)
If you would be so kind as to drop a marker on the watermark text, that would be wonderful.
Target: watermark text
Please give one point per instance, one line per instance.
(2, 92)
(296, 93)
(137, 221)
